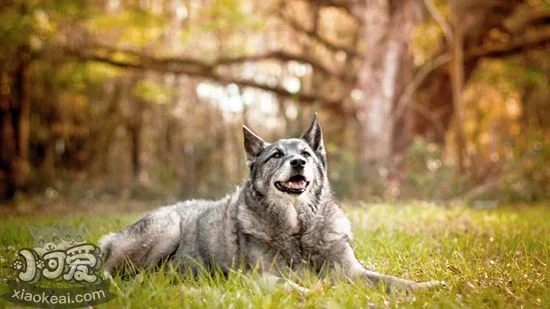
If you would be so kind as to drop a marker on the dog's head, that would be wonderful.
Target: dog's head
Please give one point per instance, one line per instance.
(287, 168)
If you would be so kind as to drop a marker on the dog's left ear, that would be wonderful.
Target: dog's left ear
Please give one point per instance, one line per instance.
(314, 137)
(253, 145)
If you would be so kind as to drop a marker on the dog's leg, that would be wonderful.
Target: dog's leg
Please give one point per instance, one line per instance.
(354, 269)
(392, 282)
(143, 243)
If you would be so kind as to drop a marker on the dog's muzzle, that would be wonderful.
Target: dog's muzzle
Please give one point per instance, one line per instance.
(296, 184)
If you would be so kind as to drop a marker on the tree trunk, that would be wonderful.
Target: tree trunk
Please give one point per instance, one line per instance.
(432, 120)
(386, 28)
(14, 126)
(23, 93)
(189, 172)
(8, 184)
(457, 78)
(134, 128)
(402, 120)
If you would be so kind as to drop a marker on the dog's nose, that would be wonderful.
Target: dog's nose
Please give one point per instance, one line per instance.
(298, 162)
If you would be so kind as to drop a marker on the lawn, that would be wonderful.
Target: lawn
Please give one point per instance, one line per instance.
(489, 258)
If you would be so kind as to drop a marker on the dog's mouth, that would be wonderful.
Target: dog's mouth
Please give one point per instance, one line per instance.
(296, 184)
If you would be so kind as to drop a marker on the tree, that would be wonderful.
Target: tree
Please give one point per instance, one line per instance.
(384, 74)
(353, 60)
(519, 21)
(15, 62)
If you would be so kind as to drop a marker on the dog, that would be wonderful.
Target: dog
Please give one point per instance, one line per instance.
(282, 218)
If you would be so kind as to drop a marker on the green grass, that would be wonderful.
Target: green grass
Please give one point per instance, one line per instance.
(489, 259)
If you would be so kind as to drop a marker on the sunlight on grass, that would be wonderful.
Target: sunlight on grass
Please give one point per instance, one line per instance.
(496, 258)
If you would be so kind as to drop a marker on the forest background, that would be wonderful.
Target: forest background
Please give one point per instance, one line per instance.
(144, 99)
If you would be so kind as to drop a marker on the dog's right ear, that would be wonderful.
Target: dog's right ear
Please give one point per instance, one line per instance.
(253, 145)
(314, 137)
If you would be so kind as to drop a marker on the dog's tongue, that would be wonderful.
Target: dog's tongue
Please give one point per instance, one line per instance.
(296, 184)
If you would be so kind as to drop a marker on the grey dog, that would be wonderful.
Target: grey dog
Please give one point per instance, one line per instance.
(283, 217)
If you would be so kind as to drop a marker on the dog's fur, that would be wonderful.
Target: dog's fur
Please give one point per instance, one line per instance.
(275, 221)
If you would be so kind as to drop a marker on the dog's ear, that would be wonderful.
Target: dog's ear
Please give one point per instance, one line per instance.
(314, 137)
(253, 145)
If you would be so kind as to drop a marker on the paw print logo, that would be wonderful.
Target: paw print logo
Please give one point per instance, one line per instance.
(40, 264)
(17, 265)
(49, 246)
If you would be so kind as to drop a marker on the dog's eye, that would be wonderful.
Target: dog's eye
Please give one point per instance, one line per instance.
(277, 155)
(306, 154)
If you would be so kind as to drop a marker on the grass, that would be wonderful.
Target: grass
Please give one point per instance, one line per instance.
(489, 259)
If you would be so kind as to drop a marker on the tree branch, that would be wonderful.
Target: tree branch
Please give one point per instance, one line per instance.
(314, 35)
(200, 68)
(277, 55)
(191, 67)
(406, 98)
(441, 21)
(536, 39)
(302, 97)
(191, 64)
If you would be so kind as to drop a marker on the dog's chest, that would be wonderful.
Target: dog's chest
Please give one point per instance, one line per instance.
(289, 247)
(291, 222)
(291, 235)
(303, 247)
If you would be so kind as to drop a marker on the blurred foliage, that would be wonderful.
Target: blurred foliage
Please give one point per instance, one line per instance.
(526, 175)
(152, 92)
(428, 174)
